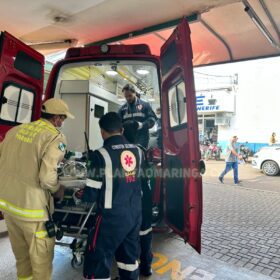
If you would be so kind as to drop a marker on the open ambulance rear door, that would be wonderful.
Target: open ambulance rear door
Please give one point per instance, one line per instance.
(21, 83)
(181, 156)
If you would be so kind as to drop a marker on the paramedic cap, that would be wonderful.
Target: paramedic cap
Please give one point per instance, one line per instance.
(56, 106)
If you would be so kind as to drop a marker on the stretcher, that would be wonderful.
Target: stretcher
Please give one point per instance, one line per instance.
(73, 218)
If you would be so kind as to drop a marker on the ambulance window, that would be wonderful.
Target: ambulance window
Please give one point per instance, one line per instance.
(177, 105)
(16, 104)
(169, 58)
(28, 65)
(98, 111)
(25, 107)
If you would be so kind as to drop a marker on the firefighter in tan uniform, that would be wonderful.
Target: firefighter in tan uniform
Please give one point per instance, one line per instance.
(29, 156)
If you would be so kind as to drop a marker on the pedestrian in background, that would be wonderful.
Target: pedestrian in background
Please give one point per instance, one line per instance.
(231, 160)
(272, 139)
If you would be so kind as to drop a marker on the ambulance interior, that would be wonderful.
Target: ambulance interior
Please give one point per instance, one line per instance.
(93, 88)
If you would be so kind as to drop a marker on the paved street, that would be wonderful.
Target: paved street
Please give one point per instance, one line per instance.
(242, 224)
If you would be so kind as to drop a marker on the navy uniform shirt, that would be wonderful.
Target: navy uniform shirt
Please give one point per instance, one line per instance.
(113, 178)
(139, 111)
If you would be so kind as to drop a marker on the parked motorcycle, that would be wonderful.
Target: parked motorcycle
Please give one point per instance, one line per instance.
(244, 151)
(214, 152)
(203, 150)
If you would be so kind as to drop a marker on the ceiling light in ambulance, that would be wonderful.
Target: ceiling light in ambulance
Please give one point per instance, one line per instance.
(111, 73)
(142, 71)
(104, 48)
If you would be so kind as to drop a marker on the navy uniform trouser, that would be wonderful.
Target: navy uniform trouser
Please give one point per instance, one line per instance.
(114, 235)
(146, 255)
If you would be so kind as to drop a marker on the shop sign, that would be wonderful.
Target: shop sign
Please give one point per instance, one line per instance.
(215, 102)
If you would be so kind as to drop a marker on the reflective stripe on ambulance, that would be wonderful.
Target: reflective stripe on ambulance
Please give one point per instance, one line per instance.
(9, 207)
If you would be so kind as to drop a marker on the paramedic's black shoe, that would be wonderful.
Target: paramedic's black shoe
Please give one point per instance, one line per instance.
(146, 271)
(221, 179)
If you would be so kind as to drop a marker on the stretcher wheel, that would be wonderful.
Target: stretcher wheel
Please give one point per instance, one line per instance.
(59, 234)
(75, 263)
(73, 244)
(156, 215)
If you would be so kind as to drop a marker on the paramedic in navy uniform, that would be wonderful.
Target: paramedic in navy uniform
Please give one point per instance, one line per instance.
(114, 184)
(139, 111)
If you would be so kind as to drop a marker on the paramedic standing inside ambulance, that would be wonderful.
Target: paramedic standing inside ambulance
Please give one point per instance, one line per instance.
(29, 156)
(137, 111)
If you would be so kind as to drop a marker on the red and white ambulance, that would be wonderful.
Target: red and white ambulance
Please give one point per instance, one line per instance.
(90, 80)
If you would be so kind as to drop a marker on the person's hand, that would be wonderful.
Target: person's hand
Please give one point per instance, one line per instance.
(140, 125)
(240, 157)
(60, 193)
(130, 125)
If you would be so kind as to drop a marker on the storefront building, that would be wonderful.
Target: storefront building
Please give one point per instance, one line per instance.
(245, 104)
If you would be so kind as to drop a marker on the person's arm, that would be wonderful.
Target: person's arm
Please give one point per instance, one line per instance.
(52, 156)
(233, 151)
(95, 171)
(150, 118)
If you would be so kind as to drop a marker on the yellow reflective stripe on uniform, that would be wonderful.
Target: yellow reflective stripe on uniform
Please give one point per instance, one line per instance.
(29, 131)
(41, 234)
(25, 278)
(4, 205)
(100, 278)
(43, 124)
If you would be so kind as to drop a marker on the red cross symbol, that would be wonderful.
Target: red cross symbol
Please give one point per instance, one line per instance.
(128, 160)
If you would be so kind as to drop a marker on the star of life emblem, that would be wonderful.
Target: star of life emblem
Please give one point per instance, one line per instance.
(128, 161)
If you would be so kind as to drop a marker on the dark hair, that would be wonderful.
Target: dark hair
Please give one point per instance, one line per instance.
(129, 87)
(111, 122)
(48, 116)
